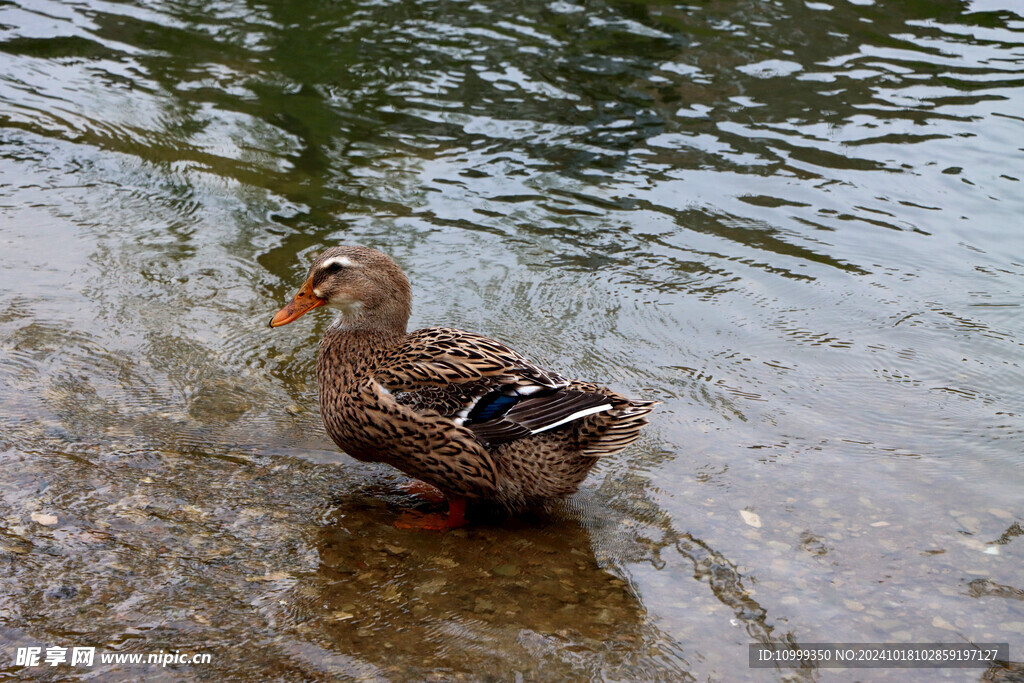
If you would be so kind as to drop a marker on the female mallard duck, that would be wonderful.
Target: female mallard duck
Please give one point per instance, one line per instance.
(455, 409)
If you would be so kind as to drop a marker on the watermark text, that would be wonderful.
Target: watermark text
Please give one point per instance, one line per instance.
(55, 655)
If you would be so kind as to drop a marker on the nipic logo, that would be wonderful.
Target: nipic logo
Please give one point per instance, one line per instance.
(30, 656)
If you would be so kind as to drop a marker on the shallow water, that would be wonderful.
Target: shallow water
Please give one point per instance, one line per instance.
(799, 225)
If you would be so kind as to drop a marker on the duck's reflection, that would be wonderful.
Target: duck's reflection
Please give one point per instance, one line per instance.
(545, 598)
(522, 598)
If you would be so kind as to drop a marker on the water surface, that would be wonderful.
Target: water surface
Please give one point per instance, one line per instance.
(799, 225)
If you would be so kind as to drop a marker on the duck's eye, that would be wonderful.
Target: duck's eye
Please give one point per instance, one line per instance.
(333, 267)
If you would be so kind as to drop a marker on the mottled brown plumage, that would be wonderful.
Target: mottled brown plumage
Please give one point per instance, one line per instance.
(455, 409)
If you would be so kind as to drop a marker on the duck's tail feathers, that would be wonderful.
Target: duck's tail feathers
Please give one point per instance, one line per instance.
(607, 433)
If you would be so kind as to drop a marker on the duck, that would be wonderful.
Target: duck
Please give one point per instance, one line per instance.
(463, 413)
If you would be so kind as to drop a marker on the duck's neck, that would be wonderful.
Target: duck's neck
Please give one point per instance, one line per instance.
(349, 353)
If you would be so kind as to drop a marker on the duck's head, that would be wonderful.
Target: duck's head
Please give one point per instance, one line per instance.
(364, 284)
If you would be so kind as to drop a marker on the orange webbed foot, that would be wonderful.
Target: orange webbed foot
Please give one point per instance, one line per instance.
(435, 521)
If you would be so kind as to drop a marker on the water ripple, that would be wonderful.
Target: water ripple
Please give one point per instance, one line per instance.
(797, 224)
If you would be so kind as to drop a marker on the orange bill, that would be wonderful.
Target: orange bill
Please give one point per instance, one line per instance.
(304, 302)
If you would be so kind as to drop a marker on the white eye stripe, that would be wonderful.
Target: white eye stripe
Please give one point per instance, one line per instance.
(343, 261)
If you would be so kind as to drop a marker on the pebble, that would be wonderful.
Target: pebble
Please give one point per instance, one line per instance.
(751, 518)
(972, 543)
(274, 576)
(430, 586)
(14, 548)
(1015, 626)
(391, 593)
(44, 519)
(969, 522)
(506, 570)
(61, 592)
(192, 511)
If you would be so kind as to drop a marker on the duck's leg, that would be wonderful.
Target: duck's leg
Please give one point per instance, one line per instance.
(436, 521)
(456, 512)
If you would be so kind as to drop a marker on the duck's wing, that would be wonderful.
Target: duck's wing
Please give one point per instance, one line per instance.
(482, 385)
(439, 356)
